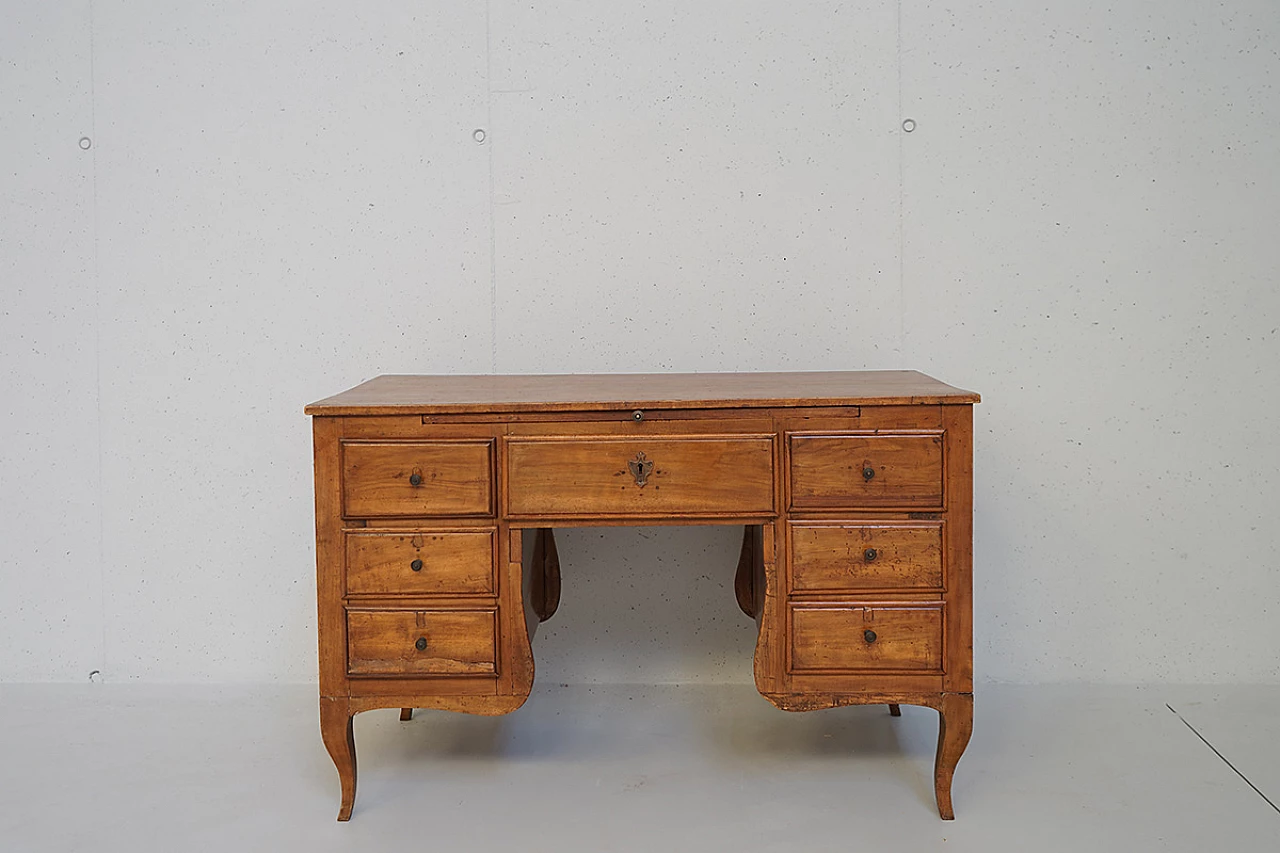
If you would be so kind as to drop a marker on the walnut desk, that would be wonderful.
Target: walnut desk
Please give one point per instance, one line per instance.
(436, 497)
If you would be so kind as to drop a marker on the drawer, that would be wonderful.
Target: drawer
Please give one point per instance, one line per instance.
(384, 480)
(853, 470)
(638, 476)
(422, 562)
(875, 636)
(422, 642)
(859, 555)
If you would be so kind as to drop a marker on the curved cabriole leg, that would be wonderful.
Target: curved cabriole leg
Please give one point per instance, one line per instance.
(894, 710)
(339, 739)
(406, 714)
(545, 581)
(955, 724)
(744, 578)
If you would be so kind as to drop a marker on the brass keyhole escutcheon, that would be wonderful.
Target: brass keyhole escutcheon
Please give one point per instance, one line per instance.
(640, 467)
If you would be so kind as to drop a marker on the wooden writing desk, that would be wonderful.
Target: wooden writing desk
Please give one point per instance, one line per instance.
(436, 497)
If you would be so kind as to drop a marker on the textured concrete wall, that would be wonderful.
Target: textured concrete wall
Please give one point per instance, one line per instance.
(278, 200)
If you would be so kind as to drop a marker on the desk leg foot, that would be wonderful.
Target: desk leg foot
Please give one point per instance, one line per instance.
(894, 710)
(955, 725)
(339, 738)
(406, 714)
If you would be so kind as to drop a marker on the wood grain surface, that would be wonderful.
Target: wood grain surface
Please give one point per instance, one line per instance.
(692, 475)
(453, 642)
(417, 478)
(850, 470)
(858, 637)
(422, 561)
(388, 395)
(837, 556)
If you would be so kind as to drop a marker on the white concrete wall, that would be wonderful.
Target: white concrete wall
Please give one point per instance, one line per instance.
(283, 199)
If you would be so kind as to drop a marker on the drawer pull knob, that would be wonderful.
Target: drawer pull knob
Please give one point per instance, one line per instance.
(416, 565)
(637, 416)
(868, 473)
(415, 479)
(421, 645)
(870, 554)
(868, 635)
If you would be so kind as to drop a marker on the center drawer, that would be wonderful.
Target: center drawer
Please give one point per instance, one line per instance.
(639, 476)
(422, 642)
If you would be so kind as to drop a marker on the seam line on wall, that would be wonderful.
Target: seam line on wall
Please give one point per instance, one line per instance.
(902, 241)
(97, 343)
(493, 236)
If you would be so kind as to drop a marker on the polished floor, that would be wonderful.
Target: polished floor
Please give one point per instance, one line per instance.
(639, 768)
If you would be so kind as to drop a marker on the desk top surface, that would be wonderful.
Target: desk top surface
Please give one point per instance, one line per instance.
(407, 395)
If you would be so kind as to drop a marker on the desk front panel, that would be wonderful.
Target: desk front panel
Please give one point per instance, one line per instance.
(866, 507)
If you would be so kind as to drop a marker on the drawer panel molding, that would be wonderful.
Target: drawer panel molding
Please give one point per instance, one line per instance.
(844, 637)
(839, 470)
(421, 562)
(639, 476)
(837, 556)
(422, 642)
(393, 479)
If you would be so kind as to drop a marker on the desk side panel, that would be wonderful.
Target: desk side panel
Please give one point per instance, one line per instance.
(331, 621)
(958, 422)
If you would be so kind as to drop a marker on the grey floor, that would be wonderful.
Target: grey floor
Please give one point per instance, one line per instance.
(639, 768)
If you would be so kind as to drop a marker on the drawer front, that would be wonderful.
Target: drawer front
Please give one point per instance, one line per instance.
(847, 470)
(422, 562)
(630, 476)
(855, 555)
(422, 642)
(876, 637)
(417, 479)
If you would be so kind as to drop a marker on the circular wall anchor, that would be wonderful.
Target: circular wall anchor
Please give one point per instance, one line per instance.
(85, 143)
(479, 135)
(909, 124)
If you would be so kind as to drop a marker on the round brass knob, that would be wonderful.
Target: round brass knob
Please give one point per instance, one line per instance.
(870, 554)
(869, 636)
(415, 479)
(868, 473)
(416, 565)
(421, 645)
(637, 415)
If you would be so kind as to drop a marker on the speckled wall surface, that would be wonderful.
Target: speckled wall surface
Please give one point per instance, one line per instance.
(209, 217)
